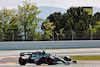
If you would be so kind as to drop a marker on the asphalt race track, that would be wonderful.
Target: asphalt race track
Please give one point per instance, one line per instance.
(10, 58)
(13, 62)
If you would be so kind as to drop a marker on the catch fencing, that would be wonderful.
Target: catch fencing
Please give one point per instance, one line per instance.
(77, 35)
(66, 35)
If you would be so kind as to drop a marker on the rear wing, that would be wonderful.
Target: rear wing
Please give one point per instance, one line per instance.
(26, 53)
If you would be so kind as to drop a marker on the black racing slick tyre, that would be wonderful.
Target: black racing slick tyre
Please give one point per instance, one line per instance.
(38, 63)
(22, 61)
(49, 61)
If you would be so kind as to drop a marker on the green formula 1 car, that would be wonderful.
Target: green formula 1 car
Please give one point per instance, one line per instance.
(42, 57)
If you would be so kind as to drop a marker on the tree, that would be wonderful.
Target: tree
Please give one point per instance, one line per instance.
(78, 22)
(5, 16)
(32, 34)
(78, 19)
(27, 15)
(56, 19)
(48, 28)
(13, 27)
(97, 16)
(75, 19)
(95, 30)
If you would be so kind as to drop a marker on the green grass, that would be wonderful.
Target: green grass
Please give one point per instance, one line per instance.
(85, 57)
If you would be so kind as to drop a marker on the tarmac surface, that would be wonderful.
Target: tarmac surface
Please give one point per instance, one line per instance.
(60, 52)
(10, 58)
(13, 62)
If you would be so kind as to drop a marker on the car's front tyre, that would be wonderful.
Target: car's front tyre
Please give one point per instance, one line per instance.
(67, 58)
(22, 61)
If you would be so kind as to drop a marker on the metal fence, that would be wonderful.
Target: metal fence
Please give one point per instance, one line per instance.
(68, 35)
(77, 35)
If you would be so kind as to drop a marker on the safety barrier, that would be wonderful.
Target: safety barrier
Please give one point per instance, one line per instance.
(29, 45)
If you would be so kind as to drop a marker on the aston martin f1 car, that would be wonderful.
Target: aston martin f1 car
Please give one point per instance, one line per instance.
(42, 57)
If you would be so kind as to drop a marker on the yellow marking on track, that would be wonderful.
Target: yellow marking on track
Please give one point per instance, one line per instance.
(0, 59)
(10, 63)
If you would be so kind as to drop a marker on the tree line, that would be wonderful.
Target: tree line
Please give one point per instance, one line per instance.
(75, 19)
(19, 24)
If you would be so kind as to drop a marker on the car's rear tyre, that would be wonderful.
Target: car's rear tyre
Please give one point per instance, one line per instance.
(22, 61)
(38, 63)
(49, 61)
